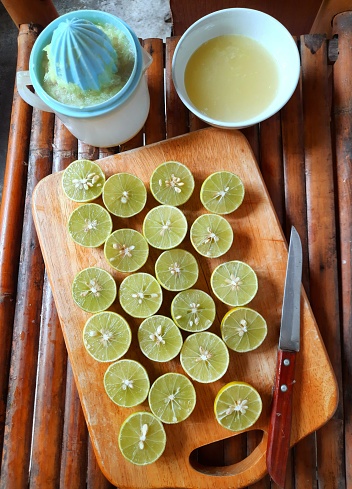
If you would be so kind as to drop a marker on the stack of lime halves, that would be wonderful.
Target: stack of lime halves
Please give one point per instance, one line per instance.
(204, 355)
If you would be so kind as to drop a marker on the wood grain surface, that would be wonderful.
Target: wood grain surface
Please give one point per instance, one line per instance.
(259, 241)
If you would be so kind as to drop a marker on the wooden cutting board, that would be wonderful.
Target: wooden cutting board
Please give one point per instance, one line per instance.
(259, 241)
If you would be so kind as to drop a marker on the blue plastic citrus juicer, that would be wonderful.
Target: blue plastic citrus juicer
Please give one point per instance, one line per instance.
(82, 54)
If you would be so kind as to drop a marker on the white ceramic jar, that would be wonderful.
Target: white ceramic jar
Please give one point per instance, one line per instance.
(106, 124)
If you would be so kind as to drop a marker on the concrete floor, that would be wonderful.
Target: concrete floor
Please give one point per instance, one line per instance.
(148, 18)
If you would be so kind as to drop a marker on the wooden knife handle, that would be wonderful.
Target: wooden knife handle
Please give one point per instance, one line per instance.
(281, 416)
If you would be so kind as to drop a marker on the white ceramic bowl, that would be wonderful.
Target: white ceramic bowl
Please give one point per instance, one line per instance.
(257, 25)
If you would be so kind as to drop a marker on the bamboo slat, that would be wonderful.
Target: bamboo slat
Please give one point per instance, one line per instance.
(21, 393)
(11, 217)
(296, 214)
(74, 455)
(343, 126)
(95, 477)
(271, 163)
(176, 114)
(324, 285)
(50, 398)
(155, 126)
(268, 150)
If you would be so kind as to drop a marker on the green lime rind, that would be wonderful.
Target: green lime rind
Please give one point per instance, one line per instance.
(94, 289)
(211, 235)
(107, 336)
(126, 250)
(89, 225)
(172, 183)
(172, 398)
(142, 438)
(159, 338)
(124, 194)
(234, 282)
(165, 227)
(243, 329)
(222, 192)
(126, 382)
(204, 357)
(237, 406)
(193, 310)
(83, 181)
(176, 270)
(140, 295)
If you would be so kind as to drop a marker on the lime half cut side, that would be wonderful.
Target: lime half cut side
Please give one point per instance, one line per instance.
(211, 235)
(222, 192)
(124, 194)
(237, 406)
(243, 329)
(107, 336)
(83, 181)
(172, 183)
(142, 438)
(234, 282)
(159, 338)
(176, 270)
(94, 289)
(172, 398)
(165, 227)
(89, 225)
(126, 250)
(140, 295)
(204, 357)
(193, 310)
(127, 383)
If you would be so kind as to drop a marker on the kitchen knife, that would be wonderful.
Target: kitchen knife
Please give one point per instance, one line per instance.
(281, 415)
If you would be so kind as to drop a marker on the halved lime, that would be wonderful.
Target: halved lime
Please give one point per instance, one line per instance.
(243, 329)
(126, 250)
(159, 338)
(172, 398)
(211, 235)
(172, 183)
(127, 383)
(165, 227)
(204, 357)
(176, 269)
(89, 225)
(142, 438)
(222, 192)
(140, 295)
(83, 181)
(124, 195)
(193, 310)
(234, 282)
(237, 406)
(93, 289)
(107, 336)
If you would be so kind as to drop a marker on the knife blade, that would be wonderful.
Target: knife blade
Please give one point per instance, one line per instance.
(281, 414)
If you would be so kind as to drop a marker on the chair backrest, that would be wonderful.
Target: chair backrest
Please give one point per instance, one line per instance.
(296, 15)
(40, 12)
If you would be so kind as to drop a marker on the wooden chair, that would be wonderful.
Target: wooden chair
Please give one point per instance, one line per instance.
(304, 154)
(314, 16)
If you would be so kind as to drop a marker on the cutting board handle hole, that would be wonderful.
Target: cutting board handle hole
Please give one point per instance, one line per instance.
(230, 456)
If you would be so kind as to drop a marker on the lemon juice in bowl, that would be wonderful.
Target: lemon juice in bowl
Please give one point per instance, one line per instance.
(231, 77)
(235, 67)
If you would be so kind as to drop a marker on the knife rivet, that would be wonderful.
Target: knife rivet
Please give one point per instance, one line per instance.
(286, 362)
(283, 388)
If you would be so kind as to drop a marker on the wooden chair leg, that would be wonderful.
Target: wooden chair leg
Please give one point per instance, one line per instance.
(40, 12)
(328, 9)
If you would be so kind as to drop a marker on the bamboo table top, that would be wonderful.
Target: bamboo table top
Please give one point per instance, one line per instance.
(304, 154)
